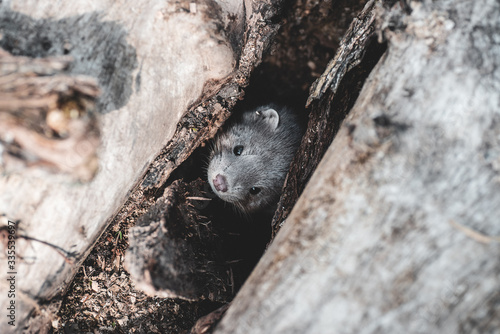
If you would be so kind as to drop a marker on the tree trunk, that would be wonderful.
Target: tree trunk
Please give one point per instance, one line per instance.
(397, 230)
(153, 63)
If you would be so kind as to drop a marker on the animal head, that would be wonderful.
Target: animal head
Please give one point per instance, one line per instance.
(247, 165)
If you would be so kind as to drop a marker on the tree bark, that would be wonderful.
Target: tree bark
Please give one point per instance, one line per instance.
(397, 230)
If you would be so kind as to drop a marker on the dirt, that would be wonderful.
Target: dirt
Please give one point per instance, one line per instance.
(102, 298)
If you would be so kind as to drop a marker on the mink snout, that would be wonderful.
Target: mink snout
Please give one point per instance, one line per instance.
(220, 183)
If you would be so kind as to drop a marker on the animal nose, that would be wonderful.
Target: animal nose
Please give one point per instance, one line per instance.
(220, 183)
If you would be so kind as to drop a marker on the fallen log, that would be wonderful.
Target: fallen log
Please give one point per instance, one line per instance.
(154, 64)
(397, 229)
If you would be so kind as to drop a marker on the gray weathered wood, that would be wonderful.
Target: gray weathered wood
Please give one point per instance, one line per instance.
(151, 60)
(397, 230)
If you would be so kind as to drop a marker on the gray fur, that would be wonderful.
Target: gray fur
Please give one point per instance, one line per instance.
(270, 136)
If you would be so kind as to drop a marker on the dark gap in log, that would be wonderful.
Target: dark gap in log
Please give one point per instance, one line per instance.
(270, 85)
(243, 238)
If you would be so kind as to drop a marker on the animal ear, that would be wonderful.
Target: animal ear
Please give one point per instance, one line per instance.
(270, 116)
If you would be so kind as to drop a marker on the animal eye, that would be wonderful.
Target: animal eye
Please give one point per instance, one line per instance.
(254, 190)
(238, 149)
